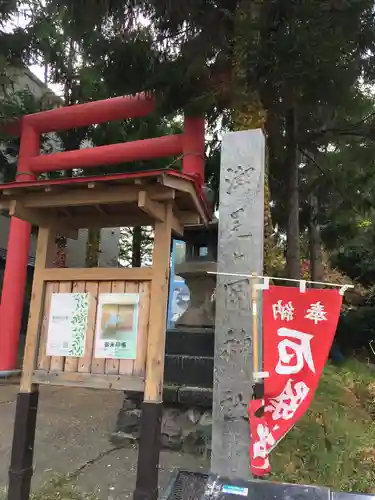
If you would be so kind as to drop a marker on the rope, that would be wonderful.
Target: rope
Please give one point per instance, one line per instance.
(302, 283)
(181, 157)
(192, 153)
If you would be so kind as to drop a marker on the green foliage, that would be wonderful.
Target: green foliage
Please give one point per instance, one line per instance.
(61, 487)
(212, 57)
(132, 130)
(332, 445)
(342, 178)
(356, 329)
(356, 257)
(13, 104)
(15, 46)
(77, 63)
(127, 246)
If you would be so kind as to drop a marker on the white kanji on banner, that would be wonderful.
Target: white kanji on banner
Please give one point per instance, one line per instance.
(316, 313)
(300, 349)
(287, 403)
(298, 329)
(263, 443)
(284, 311)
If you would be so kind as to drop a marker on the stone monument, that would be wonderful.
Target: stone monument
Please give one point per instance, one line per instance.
(240, 250)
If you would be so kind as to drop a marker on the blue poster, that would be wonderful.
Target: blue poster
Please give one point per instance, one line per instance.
(179, 294)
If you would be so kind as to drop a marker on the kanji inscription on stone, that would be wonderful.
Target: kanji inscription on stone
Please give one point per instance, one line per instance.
(240, 250)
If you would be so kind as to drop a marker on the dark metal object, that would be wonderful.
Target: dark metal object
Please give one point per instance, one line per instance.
(186, 485)
(148, 453)
(185, 342)
(209, 195)
(339, 495)
(258, 390)
(188, 370)
(21, 463)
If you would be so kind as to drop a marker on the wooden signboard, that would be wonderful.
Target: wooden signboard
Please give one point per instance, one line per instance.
(87, 370)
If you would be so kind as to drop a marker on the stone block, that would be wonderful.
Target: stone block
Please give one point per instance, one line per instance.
(240, 251)
(196, 371)
(187, 429)
(199, 342)
(195, 396)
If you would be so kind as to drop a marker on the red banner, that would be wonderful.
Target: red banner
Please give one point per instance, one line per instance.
(298, 330)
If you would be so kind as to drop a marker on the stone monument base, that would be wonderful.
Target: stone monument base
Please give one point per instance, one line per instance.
(182, 428)
(187, 395)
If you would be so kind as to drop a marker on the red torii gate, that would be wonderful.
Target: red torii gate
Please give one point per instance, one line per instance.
(189, 144)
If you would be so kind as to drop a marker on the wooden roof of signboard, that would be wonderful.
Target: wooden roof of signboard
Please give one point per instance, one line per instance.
(127, 199)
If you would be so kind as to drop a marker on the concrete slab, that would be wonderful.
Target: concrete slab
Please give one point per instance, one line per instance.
(72, 438)
(114, 475)
(8, 392)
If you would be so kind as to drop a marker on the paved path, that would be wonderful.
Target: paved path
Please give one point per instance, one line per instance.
(72, 437)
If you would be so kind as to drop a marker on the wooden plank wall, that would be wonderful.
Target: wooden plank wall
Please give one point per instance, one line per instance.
(88, 364)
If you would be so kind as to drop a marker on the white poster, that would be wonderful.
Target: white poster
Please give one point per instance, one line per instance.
(117, 326)
(67, 324)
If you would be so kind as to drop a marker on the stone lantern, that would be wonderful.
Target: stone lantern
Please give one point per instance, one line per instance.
(189, 360)
(200, 257)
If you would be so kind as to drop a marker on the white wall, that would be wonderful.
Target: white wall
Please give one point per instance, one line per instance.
(109, 248)
(23, 78)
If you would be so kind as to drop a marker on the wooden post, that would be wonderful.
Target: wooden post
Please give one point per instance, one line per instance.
(149, 446)
(254, 311)
(21, 464)
(258, 390)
